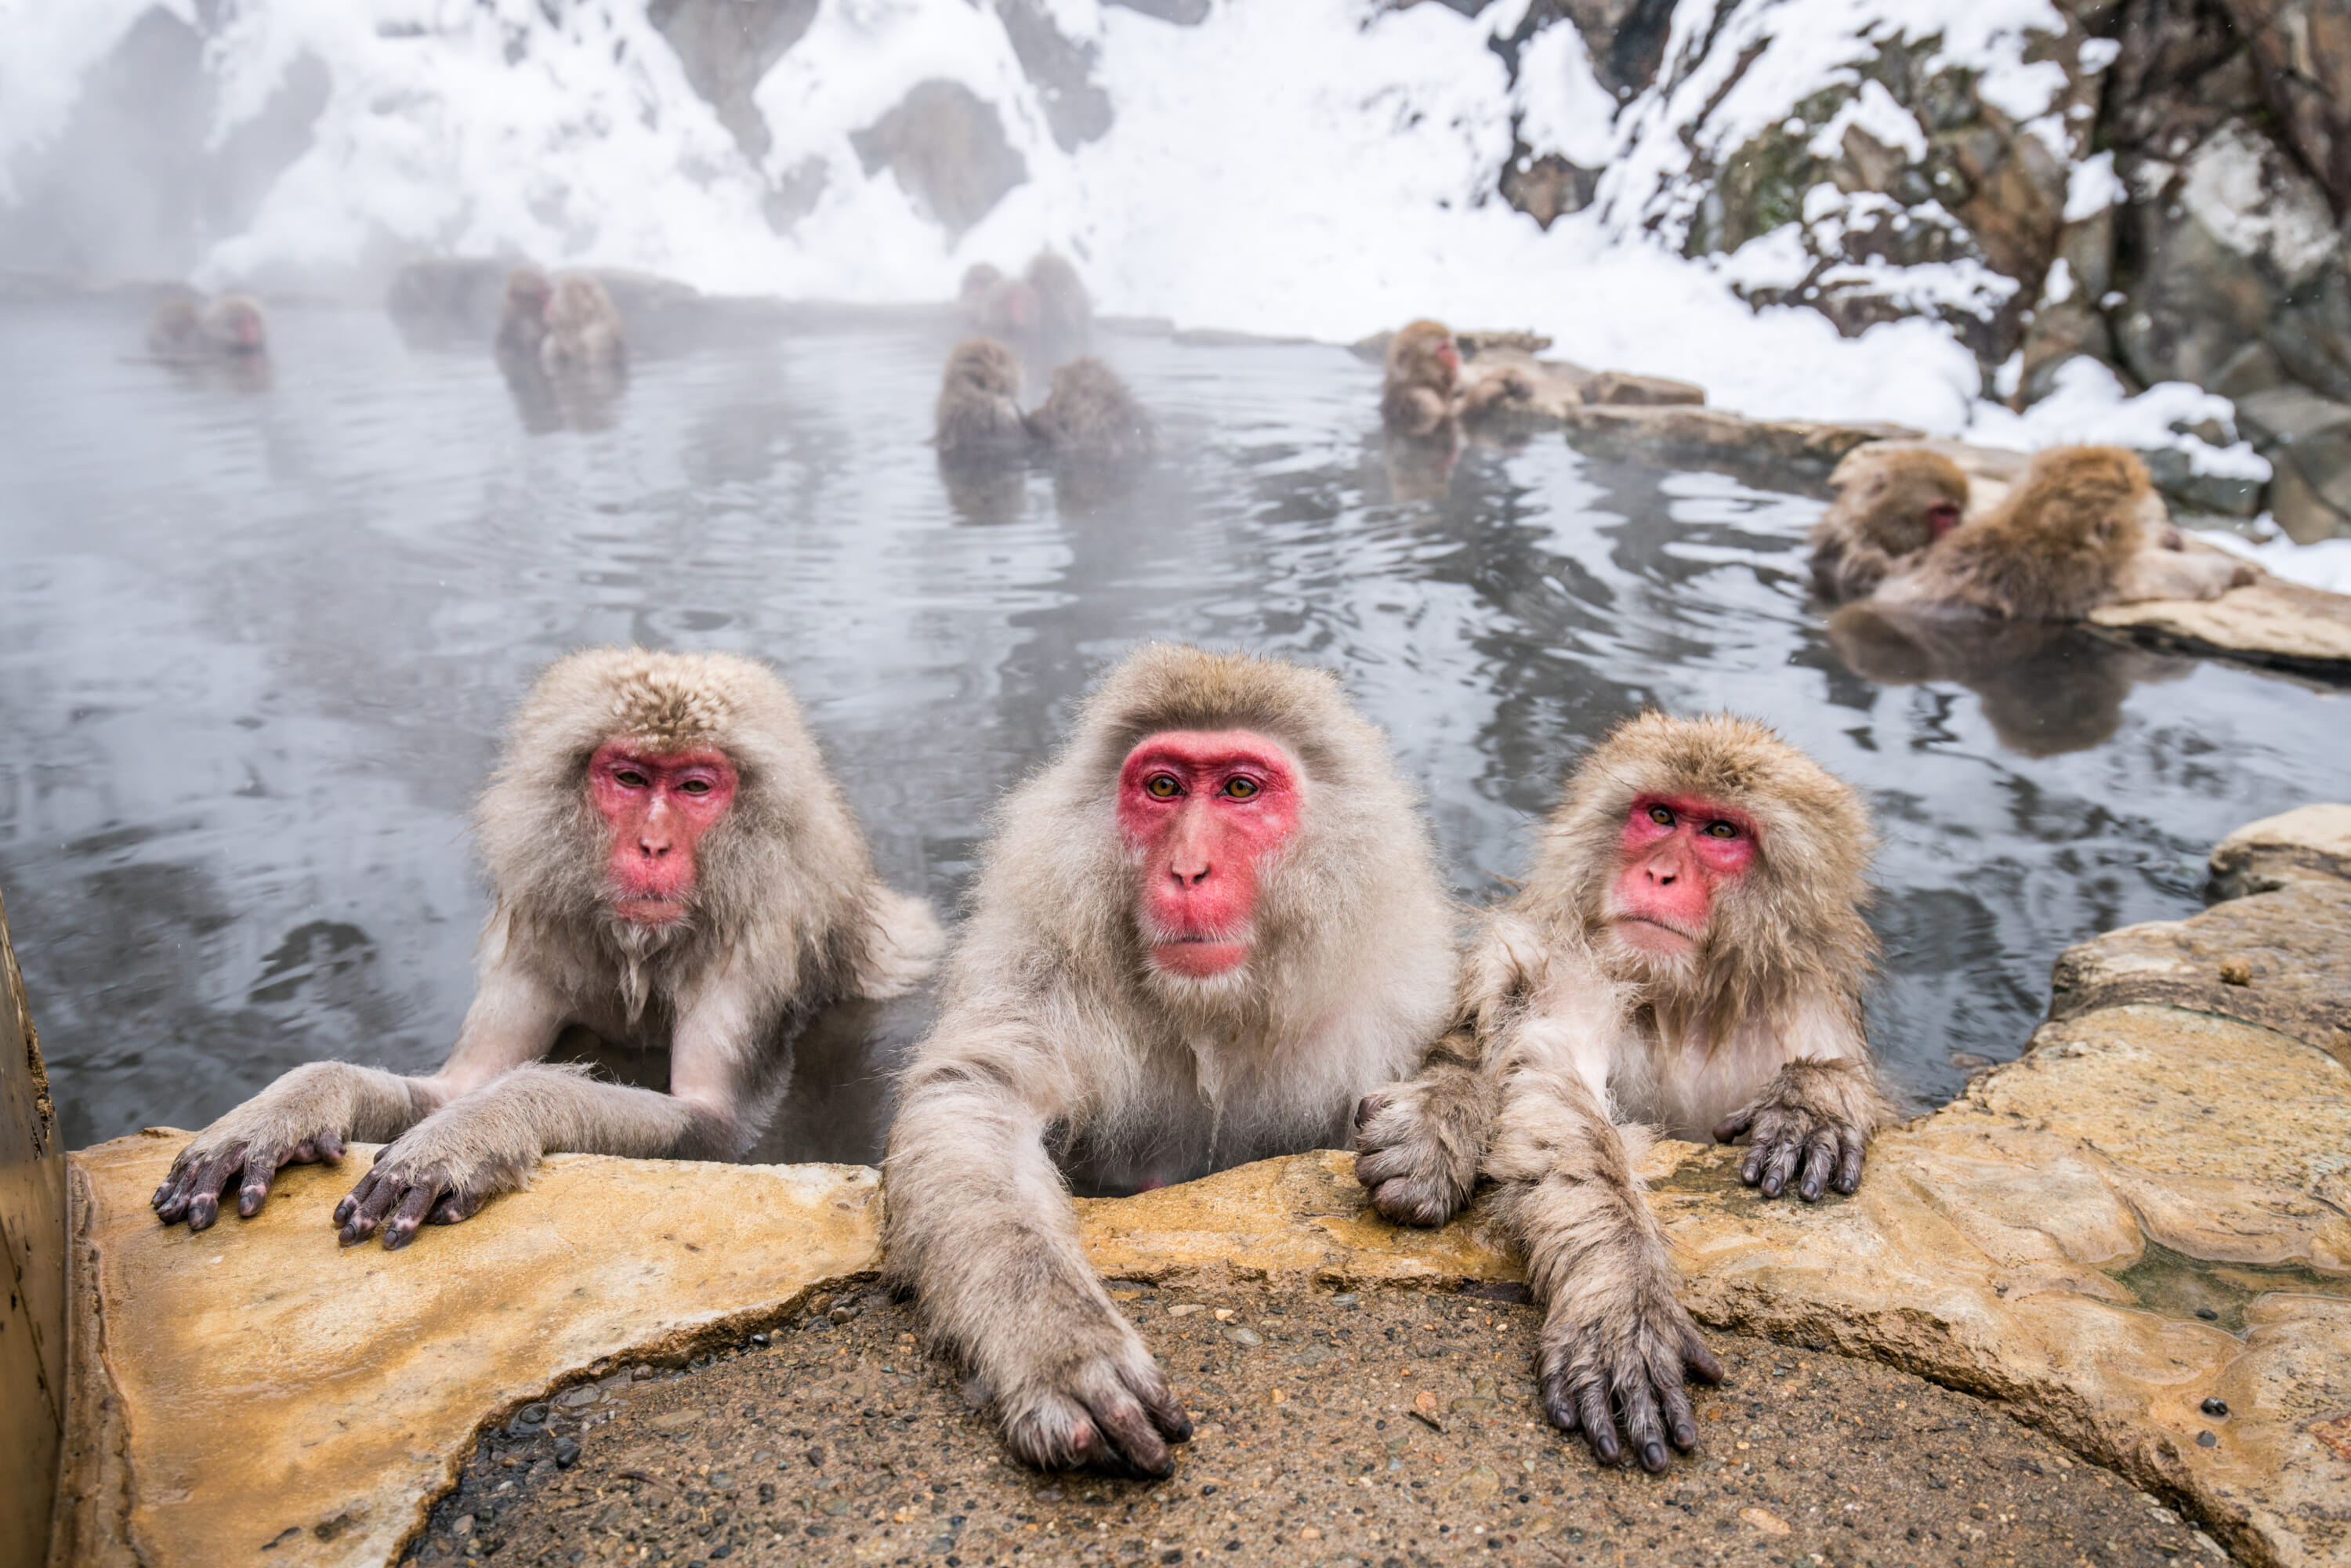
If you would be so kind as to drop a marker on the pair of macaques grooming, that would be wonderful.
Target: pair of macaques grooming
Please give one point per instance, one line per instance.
(187, 327)
(2082, 529)
(1425, 392)
(1210, 931)
(565, 325)
(1090, 414)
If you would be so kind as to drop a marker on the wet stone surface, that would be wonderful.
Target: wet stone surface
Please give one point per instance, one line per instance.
(1392, 1430)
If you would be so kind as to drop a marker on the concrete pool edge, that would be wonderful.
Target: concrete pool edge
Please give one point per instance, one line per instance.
(2046, 1240)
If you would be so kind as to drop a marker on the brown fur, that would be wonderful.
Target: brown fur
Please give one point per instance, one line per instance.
(1065, 314)
(786, 917)
(979, 409)
(185, 326)
(1061, 1055)
(1569, 1041)
(1880, 515)
(1090, 413)
(235, 324)
(2069, 539)
(522, 314)
(583, 327)
(1419, 393)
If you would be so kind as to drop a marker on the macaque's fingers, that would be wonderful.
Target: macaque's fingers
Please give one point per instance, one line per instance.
(1636, 1404)
(417, 1203)
(1750, 1169)
(1674, 1404)
(1369, 1106)
(456, 1206)
(1780, 1167)
(1168, 1412)
(1557, 1400)
(1730, 1126)
(1697, 1358)
(1820, 1164)
(211, 1180)
(368, 1204)
(255, 1189)
(1131, 1436)
(1591, 1412)
(1848, 1175)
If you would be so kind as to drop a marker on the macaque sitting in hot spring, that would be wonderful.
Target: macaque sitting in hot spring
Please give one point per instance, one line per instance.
(567, 323)
(673, 869)
(1689, 954)
(187, 327)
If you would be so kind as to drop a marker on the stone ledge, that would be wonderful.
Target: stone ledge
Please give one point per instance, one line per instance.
(2308, 842)
(2271, 622)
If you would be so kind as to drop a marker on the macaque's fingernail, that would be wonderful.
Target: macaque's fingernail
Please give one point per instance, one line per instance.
(343, 1211)
(1653, 1456)
(1685, 1435)
(395, 1237)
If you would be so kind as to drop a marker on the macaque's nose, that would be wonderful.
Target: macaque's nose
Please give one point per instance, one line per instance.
(1662, 878)
(1188, 858)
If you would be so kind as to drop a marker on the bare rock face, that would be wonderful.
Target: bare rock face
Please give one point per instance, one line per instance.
(2269, 621)
(33, 1251)
(2310, 842)
(726, 47)
(947, 146)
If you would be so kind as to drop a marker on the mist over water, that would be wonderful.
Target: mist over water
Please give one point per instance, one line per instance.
(257, 639)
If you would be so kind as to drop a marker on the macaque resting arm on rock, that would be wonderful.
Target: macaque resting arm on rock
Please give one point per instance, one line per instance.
(1202, 933)
(1688, 952)
(673, 867)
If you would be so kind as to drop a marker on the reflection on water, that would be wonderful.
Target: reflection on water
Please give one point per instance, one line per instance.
(255, 646)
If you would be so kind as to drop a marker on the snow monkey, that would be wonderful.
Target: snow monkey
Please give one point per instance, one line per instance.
(187, 327)
(1202, 933)
(522, 315)
(2084, 528)
(1891, 502)
(583, 327)
(1688, 952)
(980, 407)
(1423, 390)
(673, 867)
(1090, 414)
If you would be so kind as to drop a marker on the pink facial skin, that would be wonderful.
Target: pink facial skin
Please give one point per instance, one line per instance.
(1449, 356)
(659, 806)
(1677, 853)
(1941, 518)
(1201, 811)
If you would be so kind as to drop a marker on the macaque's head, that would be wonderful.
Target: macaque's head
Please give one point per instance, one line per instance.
(657, 805)
(526, 293)
(983, 366)
(1423, 355)
(235, 324)
(1203, 814)
(575, 300)
(2097, 499)
(1900, 499)
(1708, 856)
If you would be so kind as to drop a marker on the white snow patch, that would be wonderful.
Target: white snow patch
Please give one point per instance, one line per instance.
(2089, 407)
(1565, 108)
(2239, 188)
(2092, 187)
(2325, 564)
(1775, 260)
(1879, 116)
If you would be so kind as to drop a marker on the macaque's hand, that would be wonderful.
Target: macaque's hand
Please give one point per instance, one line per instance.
(1812, 1112)
(1416, 1147)
(1615, 1349)
(1082, 1393)
(443, 1170)
(301, 1119)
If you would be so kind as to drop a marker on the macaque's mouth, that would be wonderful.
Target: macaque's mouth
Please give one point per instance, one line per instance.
(1655, 936)
(643, 909)
(1198, 957)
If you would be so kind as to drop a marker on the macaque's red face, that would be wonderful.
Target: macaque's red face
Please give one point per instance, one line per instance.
(658, 805)
(1677, 856)
(1941, 518)
(245, 328)
(1201, 811)
(1449, 356)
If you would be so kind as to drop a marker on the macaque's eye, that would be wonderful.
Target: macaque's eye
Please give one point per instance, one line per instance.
(1722, 830)
(1661, 816)
(1162, 786)
(1241, 789)
(630, 778)
(696, 787)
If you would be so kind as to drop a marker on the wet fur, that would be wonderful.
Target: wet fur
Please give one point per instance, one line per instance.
(978, 411)
(1878, 518)
(583, 327)
(1419, 392)
(1060, 1051)
(1571, 1045)
(787, 916)
(1090, 413)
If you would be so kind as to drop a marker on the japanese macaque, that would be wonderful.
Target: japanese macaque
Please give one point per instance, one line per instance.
(522, 315)
(1891, 502)
(187, 327)
(995, 305)
(1202, 932)
(1090, 414)
(583, 328)
(1065, 314)
(673, 868)
(979, 403)
(1424, 375)
(1046, 305)
(1688, 953)
(2082, 529)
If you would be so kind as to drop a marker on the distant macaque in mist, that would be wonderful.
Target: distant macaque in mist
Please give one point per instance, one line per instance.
(1090, 414)
(979, 412)
(1425, 389)
(522, 315)
(673, 869)
(2084, 528)
(1202, 932)
(187, 327)
(583, 328)
(1048, 306)
(1688, 953)
(1891, 502)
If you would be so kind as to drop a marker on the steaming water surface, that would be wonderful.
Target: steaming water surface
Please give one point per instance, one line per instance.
(256, 644)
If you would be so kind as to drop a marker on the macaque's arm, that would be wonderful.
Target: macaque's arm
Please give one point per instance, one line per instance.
(486, 1140)
(980, 1224)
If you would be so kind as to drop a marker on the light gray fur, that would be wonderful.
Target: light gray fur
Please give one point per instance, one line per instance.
(1060, 1049)
(1573, 1046)
(787, 916)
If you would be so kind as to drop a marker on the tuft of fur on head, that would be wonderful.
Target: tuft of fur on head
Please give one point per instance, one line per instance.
(1879, 518)
(784, 884)
(1792, 923)
(2057, 546)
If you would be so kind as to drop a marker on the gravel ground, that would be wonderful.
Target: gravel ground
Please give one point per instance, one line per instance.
(1392, 1429)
